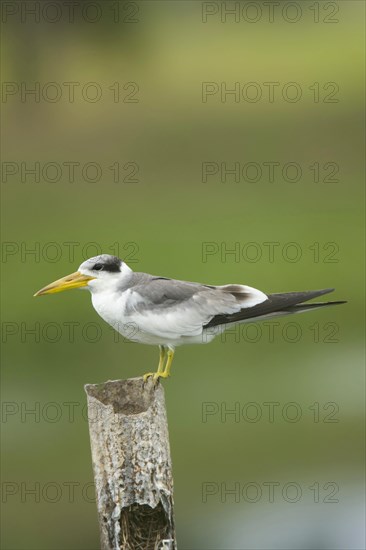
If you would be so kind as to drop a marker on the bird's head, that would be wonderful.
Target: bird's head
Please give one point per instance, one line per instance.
(97, 274)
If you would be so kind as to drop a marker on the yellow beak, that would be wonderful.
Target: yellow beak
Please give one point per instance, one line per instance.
(75, 280)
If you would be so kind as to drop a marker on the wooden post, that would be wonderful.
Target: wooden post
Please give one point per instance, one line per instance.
(132, 465)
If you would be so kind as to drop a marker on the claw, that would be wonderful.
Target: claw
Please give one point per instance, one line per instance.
(147, 375)
(155, 376)
(163, 370)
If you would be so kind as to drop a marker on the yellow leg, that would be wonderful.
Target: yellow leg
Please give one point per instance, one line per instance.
(163, 351)
(168, 364)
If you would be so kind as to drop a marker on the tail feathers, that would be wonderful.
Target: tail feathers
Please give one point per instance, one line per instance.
(307, 307)
(277, 304)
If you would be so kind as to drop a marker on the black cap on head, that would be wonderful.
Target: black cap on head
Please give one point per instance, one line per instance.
(112, 264)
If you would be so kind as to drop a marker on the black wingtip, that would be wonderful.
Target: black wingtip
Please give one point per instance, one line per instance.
(299, 296)
(322, 291)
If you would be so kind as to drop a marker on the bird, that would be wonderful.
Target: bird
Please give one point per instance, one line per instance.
(167, 312)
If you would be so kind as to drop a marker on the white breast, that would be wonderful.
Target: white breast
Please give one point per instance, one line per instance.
(117, 310)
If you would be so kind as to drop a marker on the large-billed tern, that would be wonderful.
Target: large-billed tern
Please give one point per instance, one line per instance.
(168, 313)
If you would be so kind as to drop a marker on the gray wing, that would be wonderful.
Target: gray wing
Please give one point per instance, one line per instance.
(172, 308)
(162, 292)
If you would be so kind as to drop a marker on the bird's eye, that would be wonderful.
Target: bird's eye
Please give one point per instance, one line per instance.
(98, 267)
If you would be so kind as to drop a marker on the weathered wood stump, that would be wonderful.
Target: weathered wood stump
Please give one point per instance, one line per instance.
(132, 465)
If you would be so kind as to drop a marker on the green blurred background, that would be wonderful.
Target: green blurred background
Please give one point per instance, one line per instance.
(161, 222)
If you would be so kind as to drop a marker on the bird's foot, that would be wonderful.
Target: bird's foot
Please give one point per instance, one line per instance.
(155, 376)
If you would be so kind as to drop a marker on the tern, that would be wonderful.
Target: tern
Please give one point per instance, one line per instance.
(168, 313)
